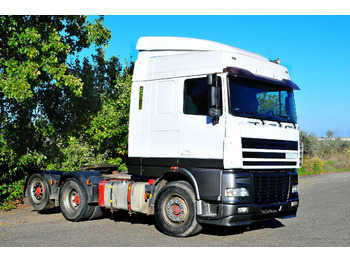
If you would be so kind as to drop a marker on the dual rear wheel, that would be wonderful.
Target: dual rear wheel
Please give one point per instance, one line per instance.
(72, 199)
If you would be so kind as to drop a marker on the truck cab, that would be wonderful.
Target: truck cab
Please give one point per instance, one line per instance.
(221, 117)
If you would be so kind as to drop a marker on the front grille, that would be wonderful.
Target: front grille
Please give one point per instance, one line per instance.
(260, 153)
(270, 188)
(269, 144)
(261, 163)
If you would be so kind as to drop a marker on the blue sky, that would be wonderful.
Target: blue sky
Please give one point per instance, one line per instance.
(315, 49)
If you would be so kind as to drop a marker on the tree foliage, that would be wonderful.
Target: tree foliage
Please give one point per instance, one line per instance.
(36, 80)
(58, 111)
(34, 50)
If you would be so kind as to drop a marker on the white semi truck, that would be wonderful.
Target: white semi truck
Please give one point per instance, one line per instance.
(213, 139)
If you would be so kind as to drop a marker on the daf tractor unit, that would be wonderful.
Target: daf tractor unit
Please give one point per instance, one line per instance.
(213, 139)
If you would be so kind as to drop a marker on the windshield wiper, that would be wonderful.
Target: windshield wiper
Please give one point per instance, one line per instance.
(290, 121)
(274, 118)
(252, 114)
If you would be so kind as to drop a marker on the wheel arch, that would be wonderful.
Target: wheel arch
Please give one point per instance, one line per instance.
(181, 174)
(88, 179)
(48, 176)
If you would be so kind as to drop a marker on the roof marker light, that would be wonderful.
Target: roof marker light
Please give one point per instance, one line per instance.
(277, 61)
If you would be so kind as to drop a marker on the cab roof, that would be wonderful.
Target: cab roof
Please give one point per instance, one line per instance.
(181, 44)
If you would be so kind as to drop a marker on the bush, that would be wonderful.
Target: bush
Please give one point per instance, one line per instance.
(329, 166)
(11, 194)
(14, 169)
(310, 142)
(318, 165)
(78, 153)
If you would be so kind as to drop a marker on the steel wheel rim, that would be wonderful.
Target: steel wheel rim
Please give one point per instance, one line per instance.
(72, 199)
(37, 190)
(176, 210)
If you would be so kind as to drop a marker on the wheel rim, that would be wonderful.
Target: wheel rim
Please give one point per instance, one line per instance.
(37, 190)
(176, 210)
(73, 199)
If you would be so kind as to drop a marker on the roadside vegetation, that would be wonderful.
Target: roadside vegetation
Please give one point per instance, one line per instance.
(324, 155)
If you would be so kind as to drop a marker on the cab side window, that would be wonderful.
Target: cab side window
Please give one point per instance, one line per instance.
(196, 97)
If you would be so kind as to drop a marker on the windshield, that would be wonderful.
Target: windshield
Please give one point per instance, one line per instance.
(260, 100)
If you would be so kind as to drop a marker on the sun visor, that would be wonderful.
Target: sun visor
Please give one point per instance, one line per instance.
(243, 73)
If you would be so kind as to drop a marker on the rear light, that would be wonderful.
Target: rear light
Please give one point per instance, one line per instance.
(101, 193)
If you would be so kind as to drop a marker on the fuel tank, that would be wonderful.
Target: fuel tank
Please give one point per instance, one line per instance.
(124, 195)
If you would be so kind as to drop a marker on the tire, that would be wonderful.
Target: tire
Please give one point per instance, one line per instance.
(39, 193)
(97, 213)
(175, 210)
(73, 201)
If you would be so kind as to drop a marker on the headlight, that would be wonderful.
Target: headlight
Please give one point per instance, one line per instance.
(294, 188)
(236, 192)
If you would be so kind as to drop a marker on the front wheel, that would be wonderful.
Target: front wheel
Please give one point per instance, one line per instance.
(73, 201)
(175, 210)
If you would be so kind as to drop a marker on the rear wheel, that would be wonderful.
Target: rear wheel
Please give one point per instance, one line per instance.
(39, 193)
(73, 201)
(97, 213)
(175, 210)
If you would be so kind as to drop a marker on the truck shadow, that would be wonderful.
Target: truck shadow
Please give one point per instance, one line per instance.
(51, 211)
(142, 219)
(227, 231)
(124, 216)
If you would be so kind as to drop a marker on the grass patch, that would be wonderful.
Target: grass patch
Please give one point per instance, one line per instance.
(337, 163)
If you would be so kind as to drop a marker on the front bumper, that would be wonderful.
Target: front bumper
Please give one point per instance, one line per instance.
(228, 214)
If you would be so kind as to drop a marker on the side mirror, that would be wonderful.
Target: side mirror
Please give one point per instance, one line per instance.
(212, 96)
(214, 109)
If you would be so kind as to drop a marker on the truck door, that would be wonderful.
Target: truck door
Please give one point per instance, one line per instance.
(200, 141)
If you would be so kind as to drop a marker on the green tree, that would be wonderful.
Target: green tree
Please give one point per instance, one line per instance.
(37, 84)
(44, 99)
(310, 141)
(107, 131)
(34, 50)
(330, 134)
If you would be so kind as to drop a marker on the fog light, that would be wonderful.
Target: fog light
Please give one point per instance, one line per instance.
(295, 189)
(236, 192)
(242, 210)
(294, 204)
